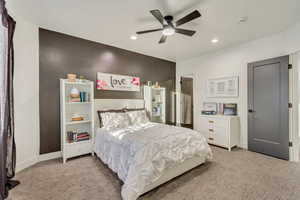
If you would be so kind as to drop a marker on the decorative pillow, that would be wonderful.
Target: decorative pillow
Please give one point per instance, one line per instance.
(138, 117)
(107, 111)
(112, 120)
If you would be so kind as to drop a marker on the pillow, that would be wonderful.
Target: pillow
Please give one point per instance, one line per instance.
(112, 120)
(107, 111)
(138, 117)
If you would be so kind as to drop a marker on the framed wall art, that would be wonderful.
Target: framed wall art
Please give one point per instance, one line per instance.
(223, 87)
(106, 81)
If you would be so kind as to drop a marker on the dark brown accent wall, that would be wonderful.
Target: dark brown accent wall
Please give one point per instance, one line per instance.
(61, 54)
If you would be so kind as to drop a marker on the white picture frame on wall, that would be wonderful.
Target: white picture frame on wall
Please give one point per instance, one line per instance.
(223, 87)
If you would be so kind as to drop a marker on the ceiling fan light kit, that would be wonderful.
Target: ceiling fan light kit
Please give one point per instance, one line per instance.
(169, 28)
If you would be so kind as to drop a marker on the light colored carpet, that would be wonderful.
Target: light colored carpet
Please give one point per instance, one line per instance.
(239, 175)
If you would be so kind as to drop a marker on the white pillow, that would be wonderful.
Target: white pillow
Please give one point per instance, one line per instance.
(112, 120)
(138, 117)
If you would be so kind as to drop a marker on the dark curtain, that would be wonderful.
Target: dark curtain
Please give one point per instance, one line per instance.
(7, 143)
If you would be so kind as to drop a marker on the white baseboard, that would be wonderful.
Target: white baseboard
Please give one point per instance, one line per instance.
(49, 156)
(43, 157)
(25, 164)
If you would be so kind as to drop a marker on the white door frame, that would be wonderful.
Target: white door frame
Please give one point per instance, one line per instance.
(294, 111)
(178, 106)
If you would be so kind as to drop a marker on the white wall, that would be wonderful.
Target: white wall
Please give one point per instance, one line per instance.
(26, 91)
(233, 61)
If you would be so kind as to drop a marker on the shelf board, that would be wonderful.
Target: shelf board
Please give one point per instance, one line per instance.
(78, 83)
(78, 122)
(77, 103)
(81, 142)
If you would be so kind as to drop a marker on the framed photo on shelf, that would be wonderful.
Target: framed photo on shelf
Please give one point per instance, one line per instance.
(210, 106)
(223, 87)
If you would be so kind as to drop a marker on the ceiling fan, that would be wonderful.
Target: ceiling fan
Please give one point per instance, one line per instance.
(170, 27)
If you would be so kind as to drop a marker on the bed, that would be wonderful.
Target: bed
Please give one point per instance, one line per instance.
(143, 154)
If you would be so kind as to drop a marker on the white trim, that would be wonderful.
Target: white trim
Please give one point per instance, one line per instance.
(293, 114)
(50, 156)
(178, 97)
(34, 160)
(25, 164)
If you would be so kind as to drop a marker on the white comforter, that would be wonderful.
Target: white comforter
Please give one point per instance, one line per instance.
(139, 154)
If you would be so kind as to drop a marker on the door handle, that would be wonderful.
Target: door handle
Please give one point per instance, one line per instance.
(251, 111)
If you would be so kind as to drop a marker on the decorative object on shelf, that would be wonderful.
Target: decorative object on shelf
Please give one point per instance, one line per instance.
(220, 109)
(223, 87)
(155, 103)
(203, 112)
(230, 109)
(156, 111)
(115, 82)
(71, 77)
(82, 96)
(210, 108)
(77, 96)
(82, 79)
(77, 117)
(156, 85)
(149, 83)
(74, 93)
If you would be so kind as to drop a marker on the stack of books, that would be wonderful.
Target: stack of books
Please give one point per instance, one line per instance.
(82, 136)
(76, 99)
(73, 136)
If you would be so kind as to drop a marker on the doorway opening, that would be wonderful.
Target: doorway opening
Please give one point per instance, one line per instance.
(186, 102)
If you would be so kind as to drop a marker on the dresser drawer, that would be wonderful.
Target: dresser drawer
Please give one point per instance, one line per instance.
(208, 124)
(211, 139)
(223, 123)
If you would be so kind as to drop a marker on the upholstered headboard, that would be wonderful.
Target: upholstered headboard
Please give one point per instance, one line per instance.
(115, 104)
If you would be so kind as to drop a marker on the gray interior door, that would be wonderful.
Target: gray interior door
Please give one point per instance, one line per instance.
(268, 112)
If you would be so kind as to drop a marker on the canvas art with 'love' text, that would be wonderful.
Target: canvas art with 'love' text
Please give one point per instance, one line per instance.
(106, 81)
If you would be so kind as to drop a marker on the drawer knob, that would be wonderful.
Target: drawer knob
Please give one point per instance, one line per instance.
(210, 121)
(211, 130)
(211, 138)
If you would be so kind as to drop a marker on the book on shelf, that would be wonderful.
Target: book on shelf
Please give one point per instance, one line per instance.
(83, 139)
(73, 136)
(75, 100)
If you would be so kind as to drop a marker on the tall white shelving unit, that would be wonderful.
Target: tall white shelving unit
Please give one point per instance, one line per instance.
(155, 103)
(85, 109)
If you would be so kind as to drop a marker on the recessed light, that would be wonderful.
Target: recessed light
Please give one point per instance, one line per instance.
(215, 40)
(133, 37)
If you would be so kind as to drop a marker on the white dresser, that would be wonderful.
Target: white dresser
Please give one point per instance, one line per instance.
(221, 130)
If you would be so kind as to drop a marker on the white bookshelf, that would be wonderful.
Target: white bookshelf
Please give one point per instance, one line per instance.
(85, 109)
(155, 103)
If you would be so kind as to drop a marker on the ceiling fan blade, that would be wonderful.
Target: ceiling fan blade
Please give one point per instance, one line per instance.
(149, 31)
(185, 31)
(157, 14)
(188, 18)
(162, 39)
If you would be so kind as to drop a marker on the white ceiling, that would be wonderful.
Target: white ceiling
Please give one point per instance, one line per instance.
(114, 21)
